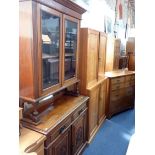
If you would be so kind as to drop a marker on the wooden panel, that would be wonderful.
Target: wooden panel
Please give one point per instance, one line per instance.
(26, 83)
(79, 133)
(102, 53)
(102, 101)
(93, 109)
(83, 60)
(92, 60)
(110, 53)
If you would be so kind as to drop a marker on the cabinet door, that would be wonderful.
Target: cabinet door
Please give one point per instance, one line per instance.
(49, 45)
(92, 56)
(79, 133)
(93, 109)
(102, 53)
(61, 146)
(71, 36)
(102, 102)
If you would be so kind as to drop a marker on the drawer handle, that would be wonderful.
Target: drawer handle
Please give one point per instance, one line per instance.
(118, 87)
(80, 111)
(62, 129)
(117, 95)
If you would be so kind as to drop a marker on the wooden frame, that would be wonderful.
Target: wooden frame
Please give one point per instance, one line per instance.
(71, 80)
(42, 91)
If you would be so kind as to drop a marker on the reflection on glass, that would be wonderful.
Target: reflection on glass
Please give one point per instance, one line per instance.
(50, 49)
(70, 48)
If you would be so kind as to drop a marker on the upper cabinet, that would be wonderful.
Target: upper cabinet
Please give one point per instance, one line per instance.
(92, 57)
(48, 40)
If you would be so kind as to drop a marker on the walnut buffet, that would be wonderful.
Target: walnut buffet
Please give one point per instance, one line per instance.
(65, 126)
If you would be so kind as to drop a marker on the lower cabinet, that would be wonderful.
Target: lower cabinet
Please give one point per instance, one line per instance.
(60, 146)
(69, 138)
(93, 93)
(96, 107)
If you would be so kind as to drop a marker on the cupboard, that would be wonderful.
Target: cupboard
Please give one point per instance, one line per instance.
(49, 46)
(91, 73)
(112, 53)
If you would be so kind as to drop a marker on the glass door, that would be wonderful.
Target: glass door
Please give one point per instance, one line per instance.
(71, 27)
(50, 49)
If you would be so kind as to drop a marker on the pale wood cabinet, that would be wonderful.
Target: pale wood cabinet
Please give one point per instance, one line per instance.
(48, 47)
(121, 91)
(92, 80)
(112, 53)
(92, 57)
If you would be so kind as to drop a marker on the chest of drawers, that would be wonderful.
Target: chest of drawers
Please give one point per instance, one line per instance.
(121, 91)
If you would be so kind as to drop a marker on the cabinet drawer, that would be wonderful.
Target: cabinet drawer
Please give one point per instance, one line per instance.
(130, 78)
(131, 83)
(117, 86)
(129, 91)
(117, 80)
(115, 95)
(58, 130)
(79, 111)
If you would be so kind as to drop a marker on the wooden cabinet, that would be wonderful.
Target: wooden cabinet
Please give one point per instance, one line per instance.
(92, 56)
(49, 40)
(91, 71)
(88, 57)
(65, 126)
(96, 108)
(112, 53)
(121, 91)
